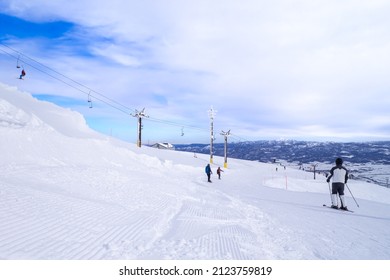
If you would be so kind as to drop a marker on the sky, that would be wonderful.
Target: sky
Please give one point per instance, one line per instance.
(306, 70)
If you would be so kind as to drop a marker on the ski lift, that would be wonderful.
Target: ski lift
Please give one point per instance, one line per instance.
(90, 100)
(182, 131)
(17, 62)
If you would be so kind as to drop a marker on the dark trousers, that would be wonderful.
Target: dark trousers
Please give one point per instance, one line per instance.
(208, 177)
(338, 188)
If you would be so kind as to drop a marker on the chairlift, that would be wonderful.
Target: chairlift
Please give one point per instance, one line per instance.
(90, 100)
(182, 131)
(17, 62)
(22, 74)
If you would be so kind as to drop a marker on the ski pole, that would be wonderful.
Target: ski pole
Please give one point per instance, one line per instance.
(330, 193)
(352, 195)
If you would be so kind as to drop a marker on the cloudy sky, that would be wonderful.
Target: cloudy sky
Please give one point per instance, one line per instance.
(311, 70)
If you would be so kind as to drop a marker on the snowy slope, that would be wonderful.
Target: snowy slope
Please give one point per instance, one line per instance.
(67, 192)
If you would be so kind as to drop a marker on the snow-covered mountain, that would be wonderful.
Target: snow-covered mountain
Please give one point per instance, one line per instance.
(67, 192)
(367, 161)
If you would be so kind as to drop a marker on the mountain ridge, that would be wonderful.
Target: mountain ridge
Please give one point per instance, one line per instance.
(363, 158)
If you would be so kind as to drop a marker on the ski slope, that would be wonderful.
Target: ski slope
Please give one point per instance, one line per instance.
(69, 193)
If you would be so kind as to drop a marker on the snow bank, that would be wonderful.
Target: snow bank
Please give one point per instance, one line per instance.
(20, 109)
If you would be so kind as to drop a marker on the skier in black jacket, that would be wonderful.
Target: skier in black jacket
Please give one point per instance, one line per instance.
(339, 175)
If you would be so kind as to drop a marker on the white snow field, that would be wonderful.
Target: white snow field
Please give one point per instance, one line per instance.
(69, 193)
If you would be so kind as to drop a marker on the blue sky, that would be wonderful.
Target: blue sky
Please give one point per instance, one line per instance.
(311, 70)
(21, 28)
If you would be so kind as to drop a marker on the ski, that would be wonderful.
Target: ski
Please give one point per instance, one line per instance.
(337, 209)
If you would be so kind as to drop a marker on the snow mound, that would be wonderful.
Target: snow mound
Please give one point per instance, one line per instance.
(21, 110)
(12, 117)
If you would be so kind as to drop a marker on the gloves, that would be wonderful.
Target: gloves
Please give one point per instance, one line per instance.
(328, 180)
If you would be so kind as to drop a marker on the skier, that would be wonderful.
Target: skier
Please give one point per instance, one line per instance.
(22, 74)
(219, 170)
(208, 172)
(339, 175)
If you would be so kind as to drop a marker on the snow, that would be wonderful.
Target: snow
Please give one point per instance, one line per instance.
(69, 193)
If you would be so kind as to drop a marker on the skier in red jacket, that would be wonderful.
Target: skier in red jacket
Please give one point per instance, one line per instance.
(219, 170)
(22, 74)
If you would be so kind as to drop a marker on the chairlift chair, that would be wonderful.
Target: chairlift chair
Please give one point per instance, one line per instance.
(90, 100)
(17, 62)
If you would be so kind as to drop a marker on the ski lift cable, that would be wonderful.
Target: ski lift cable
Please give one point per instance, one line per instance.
(71, 85)
(88, 91)
(176, 124)
(239, 137)
(20, 54)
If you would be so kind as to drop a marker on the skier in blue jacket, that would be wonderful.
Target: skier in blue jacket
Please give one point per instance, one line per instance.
(339, 175)
(208, 172)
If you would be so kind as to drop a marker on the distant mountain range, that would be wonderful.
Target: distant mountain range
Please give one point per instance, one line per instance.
(369, 161)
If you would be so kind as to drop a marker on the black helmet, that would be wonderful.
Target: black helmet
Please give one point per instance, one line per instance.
(339, 161)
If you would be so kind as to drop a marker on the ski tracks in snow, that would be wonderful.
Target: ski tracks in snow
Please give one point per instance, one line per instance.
(218, 226)
(43, 221)
(71, 228)
(122, 213)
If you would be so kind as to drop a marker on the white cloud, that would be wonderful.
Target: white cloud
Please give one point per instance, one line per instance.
(280, 65)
